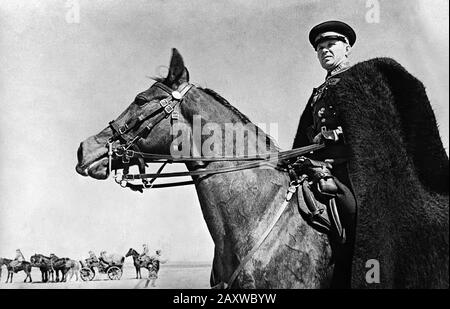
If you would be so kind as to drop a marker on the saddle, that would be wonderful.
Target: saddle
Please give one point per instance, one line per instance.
(319, 190)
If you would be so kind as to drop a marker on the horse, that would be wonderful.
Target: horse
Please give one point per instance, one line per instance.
(236, 206)
(51, 265)
(25, 266)
(59, 265)
(1, 264)
(39, 260)
(260, 239)
(74, 270)
(138, 263)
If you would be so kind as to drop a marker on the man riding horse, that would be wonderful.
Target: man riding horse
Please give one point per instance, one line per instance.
(345, 114)
(144, 256)
(18, 259)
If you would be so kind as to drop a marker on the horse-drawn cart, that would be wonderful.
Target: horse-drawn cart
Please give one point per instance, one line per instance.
(112, 269)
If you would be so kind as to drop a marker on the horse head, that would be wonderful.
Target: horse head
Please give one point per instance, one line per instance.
(132, 253)
(153, 121)
(3, 261)
(145, 108)
(35, 260)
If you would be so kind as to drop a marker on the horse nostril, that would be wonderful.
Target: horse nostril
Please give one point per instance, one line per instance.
(80, 153)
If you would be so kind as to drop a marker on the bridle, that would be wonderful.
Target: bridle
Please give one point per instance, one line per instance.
(128, 149)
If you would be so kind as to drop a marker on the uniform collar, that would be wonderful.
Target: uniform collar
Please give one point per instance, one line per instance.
(344, 66)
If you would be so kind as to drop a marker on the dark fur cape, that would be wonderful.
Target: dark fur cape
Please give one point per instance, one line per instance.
(399, 173)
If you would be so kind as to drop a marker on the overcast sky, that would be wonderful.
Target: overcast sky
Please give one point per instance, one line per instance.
(63, 78)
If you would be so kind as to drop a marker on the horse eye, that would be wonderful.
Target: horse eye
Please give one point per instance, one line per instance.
(140, 100)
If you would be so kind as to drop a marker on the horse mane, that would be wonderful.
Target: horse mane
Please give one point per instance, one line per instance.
(269, 139)
(227, 104)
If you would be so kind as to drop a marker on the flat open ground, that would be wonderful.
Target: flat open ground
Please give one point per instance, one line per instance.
(171, 276)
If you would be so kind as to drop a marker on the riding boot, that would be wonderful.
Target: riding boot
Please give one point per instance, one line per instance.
(343, 253)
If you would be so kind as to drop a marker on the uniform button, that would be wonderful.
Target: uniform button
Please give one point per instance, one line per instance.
(330, 107)
(323, 119)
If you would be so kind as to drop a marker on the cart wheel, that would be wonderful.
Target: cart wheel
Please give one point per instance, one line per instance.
(114, 273)
(87, 274)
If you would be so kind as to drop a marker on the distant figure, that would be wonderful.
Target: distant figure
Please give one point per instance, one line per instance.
(91, 259)
(104, 259)
(92, 256)
(157, 259)
(144, 256)
(17, 260)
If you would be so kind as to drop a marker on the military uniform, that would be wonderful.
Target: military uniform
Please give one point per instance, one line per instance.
(321, 115)
(144, 256)
(321, 119)
(325, 120)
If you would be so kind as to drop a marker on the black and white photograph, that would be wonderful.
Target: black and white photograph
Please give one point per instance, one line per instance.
(224, 145)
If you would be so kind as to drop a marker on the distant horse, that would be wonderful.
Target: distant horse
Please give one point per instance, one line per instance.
(60, 265)
(54, 265)
(138, 263)
(38, 260)
(74, 270)
(51, 265)
(25, 266)
(1, 264)
(252, 250)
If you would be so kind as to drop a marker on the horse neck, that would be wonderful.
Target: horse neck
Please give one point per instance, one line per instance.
(134, 254)
(237, 205)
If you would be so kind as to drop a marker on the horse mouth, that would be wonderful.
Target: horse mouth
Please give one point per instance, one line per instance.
(97, 168)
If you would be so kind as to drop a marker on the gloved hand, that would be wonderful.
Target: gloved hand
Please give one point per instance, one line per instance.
(318, 138)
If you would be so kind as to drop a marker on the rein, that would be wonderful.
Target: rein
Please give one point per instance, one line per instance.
(271, 160)
(129, 149)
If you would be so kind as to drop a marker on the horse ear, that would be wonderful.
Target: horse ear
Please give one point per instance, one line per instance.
(177, 71)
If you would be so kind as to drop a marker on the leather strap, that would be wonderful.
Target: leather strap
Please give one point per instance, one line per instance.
(291, 190)
(272, 161)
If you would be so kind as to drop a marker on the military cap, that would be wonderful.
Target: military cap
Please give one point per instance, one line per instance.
(332, 29)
